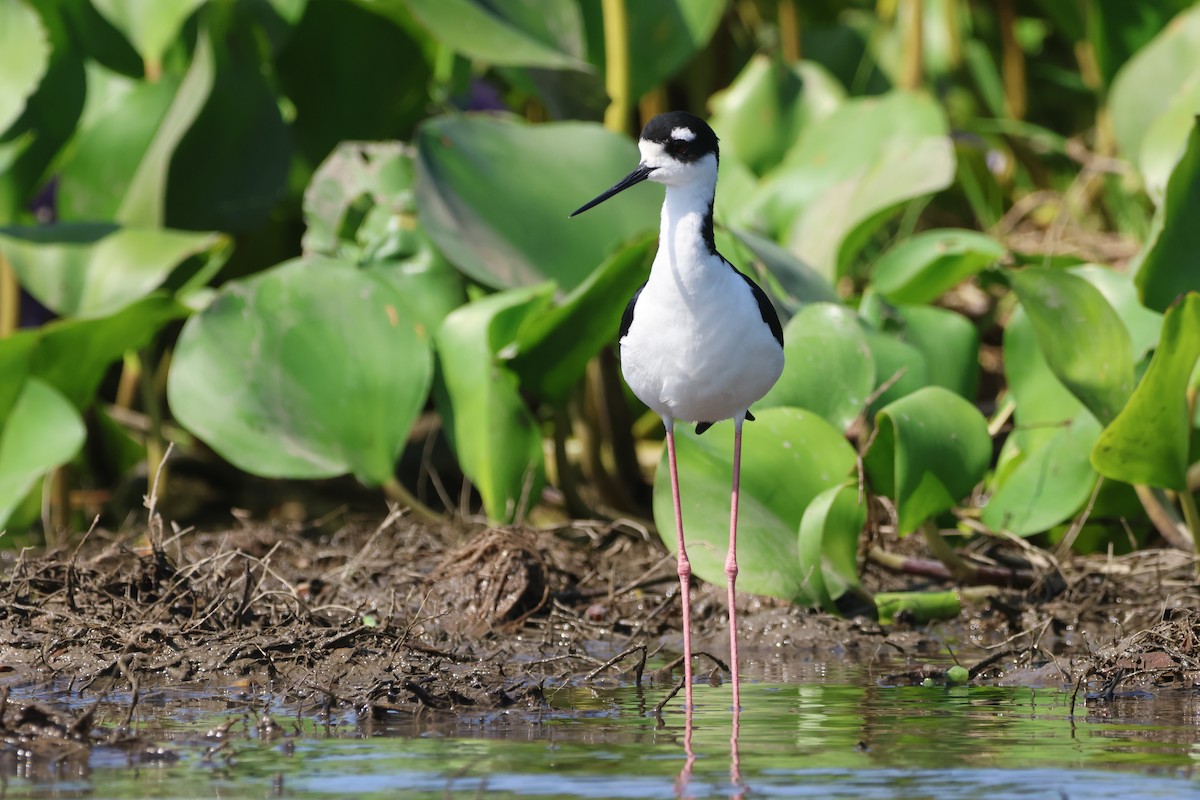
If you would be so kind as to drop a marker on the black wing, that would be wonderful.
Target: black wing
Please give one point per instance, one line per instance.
(765, 308)
(627, 317)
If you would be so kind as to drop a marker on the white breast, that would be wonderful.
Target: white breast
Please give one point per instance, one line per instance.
(699, 353)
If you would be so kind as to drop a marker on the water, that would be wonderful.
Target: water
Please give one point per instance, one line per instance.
(829, 733)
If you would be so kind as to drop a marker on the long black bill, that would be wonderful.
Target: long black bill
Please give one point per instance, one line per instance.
(637, 176)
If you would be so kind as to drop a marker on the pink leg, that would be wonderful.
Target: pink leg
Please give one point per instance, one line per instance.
(685, 567)
(731, 566)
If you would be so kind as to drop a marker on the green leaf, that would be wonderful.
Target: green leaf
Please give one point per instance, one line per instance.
(340, 95)
(947, 340)
(663, 37)
(898, 362)
(1049, 485)
(1159, 81)
(848, 172)
(923, 268)
(229, 167)
(15, 355)
(353, 180)
(1084, 340)
(96, 269)
(801, 282)
(492, 430)
(97, 171)
(1044, 404)
(830, 233)
(930, 450)
(359, 206)
(150, 25)
(1119, 290)
(1147, 444)
(308, 370)
(789, 457)
(1118, 29)
(828, 367)
(24, 57)
(73, 355)
(763, 111)
(145, 202)
(1171, 265)
(828, 543)
(507, 32)
(553, 348)
(118, 169)
(41, 431)
(491, 195)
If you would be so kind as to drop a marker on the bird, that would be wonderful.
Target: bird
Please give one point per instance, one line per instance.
(700, 341)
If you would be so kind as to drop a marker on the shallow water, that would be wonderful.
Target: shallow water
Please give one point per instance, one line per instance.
(829, 732)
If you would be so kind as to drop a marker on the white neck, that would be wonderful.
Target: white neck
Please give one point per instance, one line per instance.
(681, 246)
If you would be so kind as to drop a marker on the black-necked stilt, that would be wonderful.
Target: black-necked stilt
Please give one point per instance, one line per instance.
(700, 341)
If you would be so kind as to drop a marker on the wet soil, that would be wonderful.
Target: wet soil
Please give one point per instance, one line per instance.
(395, 617)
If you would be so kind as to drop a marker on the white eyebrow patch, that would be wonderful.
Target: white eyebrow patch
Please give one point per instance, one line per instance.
(686, 134)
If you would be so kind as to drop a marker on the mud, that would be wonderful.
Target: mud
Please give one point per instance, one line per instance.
(397, 618)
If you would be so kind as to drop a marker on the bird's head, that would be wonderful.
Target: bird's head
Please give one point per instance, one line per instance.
(678, 149)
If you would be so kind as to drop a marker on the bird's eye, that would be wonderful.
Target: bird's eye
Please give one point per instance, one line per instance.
(679, 146)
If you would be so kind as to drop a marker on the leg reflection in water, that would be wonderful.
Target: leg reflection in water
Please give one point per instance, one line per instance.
(682, 782)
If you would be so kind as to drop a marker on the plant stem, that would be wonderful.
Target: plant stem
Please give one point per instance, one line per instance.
(396, 491)
(1013, 61)
(912, 61)
(941, 549)
(1190, 514)
(616, 64)
(789, 31)
(10, 299)
(153, 409)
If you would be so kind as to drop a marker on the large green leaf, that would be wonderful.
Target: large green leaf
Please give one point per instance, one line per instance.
(789, 457)
(800, 283)
(763, 111)
(948, 341)
(850, 170)
(311, 369)
(491, 194)
(41, 431)
(24, 57)
(922, 268)
(1084, 340)
(229, 169)
(492, 430)
(1119, 290)
(359, 206)
(1043, 404)
(96, 269)
(1171, 265)
(548, 33)
(828, 544)
(340, 95)
(1051, 484)
(73, 355)
(118, 169)
(899, 364)
(663, 36)
(828, 367)
(1148, 442)
(96, 173)
(930, 449)
(553, 348)
(1158, 78)
(150, 25)
(1118, 29)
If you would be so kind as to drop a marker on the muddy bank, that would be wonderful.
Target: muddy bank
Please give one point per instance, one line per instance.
(398, 618)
